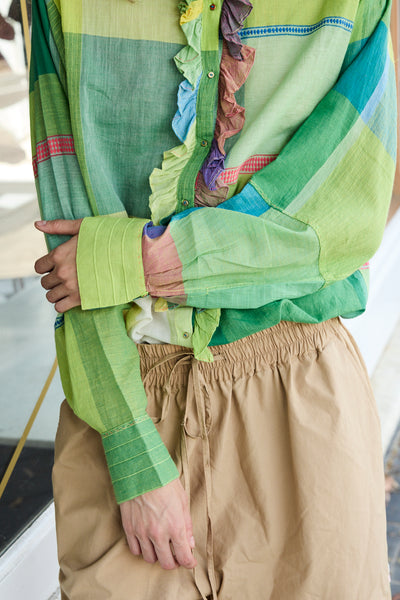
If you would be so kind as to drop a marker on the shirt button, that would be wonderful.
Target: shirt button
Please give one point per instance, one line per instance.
(185, 202)
(211, 75)
(186, 335)
(212, 6)
(204, 143)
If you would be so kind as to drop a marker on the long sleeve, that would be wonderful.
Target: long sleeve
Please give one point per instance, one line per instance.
(99, 364)
(309, 219)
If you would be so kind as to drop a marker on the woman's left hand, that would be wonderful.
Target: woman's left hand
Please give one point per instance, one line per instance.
(59, 265)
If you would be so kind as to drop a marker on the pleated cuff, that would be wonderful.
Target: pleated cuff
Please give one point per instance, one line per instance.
(137, 459)
(109, 261)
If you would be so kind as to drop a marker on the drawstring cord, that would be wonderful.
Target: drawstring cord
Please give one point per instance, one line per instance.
(197, 414)
(204, 430)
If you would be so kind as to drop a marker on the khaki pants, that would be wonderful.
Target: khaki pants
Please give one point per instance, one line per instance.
(278, 445)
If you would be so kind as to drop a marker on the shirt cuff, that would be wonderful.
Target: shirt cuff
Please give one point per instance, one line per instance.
(109, 261)
(137, 459)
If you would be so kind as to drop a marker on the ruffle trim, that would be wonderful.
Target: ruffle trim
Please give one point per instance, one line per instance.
(233, 74)
(230, 115)
(233, 15)
(204, 197)
(164, 181)
(188, 60)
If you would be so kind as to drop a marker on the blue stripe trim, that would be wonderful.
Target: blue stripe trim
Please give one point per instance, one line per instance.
(296, 30)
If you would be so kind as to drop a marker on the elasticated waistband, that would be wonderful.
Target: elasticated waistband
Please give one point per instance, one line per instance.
(267, 348)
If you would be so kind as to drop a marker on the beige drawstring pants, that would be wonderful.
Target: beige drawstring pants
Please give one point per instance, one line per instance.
(279, 449)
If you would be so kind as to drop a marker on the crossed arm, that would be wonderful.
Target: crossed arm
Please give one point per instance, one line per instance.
(157, 524)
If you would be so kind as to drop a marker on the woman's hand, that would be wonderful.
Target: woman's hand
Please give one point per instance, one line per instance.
(158, 526)
(59, 265)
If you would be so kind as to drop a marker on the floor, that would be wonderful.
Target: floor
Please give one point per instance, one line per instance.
(28, 491)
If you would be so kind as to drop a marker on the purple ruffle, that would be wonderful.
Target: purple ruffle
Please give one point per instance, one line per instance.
(213, 166)
(153, 231)
(233, 15)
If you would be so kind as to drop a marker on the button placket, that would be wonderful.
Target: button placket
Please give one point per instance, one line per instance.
(211, 17)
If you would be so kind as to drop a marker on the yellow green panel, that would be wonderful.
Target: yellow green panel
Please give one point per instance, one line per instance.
(307, 12)
(55, 120)
(210, 24)
(356, 170)
(71, 14)
(124, 19)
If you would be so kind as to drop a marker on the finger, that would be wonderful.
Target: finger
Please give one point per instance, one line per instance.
(147, 549)
(50, 281)
(57, 293)
(67, 303)
(44, 264)
(59, 226)
(134, 545)
(183, 551)
(164, 554)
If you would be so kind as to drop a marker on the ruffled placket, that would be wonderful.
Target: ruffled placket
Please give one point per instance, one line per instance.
(164, 181)
(236, 63)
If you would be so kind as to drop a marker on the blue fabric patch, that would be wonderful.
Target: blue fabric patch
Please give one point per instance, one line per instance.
(186, 113)
(357, 88)
(248, 201)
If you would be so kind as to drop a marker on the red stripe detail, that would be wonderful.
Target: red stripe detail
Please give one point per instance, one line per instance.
(251, 165)
(56, 145)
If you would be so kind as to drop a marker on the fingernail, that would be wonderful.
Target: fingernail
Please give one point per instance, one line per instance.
(192, 542)
(41, 223)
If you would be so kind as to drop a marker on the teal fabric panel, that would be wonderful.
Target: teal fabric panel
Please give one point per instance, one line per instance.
(40, 39)
(347, 298)
(353, 84)
(126, 128)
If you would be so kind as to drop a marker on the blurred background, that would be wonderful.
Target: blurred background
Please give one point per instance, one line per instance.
(27, 536)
